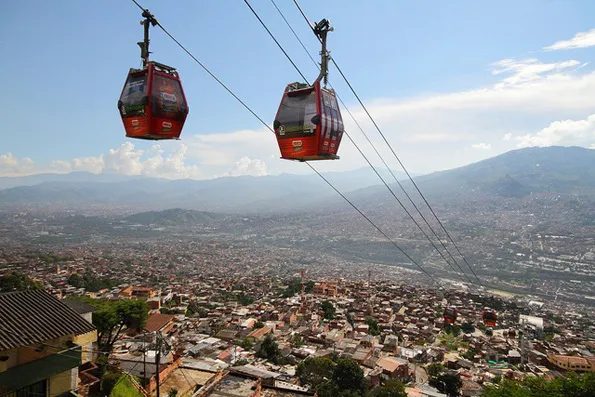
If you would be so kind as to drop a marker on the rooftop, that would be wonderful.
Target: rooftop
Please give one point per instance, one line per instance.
(29, 317)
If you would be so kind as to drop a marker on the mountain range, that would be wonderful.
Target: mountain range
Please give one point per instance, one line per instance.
(226, 194)
(515, 174)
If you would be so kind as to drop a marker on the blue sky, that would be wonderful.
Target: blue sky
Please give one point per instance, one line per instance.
(431, 72)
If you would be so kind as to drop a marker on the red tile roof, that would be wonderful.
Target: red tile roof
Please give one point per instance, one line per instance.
(158, 321)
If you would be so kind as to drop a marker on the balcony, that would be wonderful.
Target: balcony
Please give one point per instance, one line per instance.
(23, 375)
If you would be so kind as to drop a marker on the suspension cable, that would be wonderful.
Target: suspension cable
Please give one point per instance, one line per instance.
(386, 165)
(270, 129)
(278, 44)
(372, 223)
(394, 153)
(358, 148)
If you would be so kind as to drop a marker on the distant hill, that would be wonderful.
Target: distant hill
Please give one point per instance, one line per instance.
(173, 217)
(556, 169)
(228, 194)
(515, 174)
(72, 177)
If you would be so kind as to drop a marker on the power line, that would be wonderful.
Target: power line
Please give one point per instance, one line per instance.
(269, 127)
(394, 153)
(366, 158)
(278, 44)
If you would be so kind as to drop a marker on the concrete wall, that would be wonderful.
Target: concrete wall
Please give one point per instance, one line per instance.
(63, 382)
(36, 351)
(88, 342)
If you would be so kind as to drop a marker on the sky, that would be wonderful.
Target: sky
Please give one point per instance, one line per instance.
(449, 83)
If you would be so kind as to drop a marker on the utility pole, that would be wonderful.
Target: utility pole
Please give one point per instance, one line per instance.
(144, 359)
(157, 361)
(302, 271)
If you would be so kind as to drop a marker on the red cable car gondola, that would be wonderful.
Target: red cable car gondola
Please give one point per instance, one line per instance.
(152, 104)
(450, 315)
(489, 317)
(308, 125)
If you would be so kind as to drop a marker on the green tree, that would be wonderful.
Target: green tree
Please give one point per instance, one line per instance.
(108, 381)
(373, 328)
(434, 370)
(391, 388)
(296, 340)
(244, 299)
(348, 375)
(259, 324)
(350, 319)
(314, 371)
(246, 344)
(572, 385)
(293, 287)
(269, 349)
(75, 280)
(18, 282)
(111, 318)
(328, 310)
(448, 384)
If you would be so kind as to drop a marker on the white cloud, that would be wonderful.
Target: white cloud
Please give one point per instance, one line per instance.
(430, 131)
(245, 166)
(564, 133)
(173, 166)
(124, 160)
(527, 70)
(127, 160)
(10, 165)
(91, 164)
(481, 146)
(580, 40)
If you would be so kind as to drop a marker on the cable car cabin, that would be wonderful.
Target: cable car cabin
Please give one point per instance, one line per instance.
(152, 104)
(489, 317)
(308, 124)
(450, 315)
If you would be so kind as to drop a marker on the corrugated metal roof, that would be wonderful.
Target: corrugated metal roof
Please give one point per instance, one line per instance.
(78, 306)
(30, 317)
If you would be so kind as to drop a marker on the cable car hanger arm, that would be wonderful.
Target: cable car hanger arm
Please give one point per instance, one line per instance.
(320, 30)
(144, 45)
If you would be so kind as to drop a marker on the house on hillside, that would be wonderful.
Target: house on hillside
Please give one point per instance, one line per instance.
(84, 309)
(158, 322)
(43, 343)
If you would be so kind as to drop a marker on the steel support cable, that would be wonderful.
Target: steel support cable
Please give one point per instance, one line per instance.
(407, 211)
(395, 154)
(407, 173)
(206, 69)
(372, 223)
(383, 161)
(273, 37)
(352, 141)
(295, 34)
(270, 129)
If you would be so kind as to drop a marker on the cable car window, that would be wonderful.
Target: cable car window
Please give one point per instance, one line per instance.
(132, 101)
(167, 99)
(295, 115)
